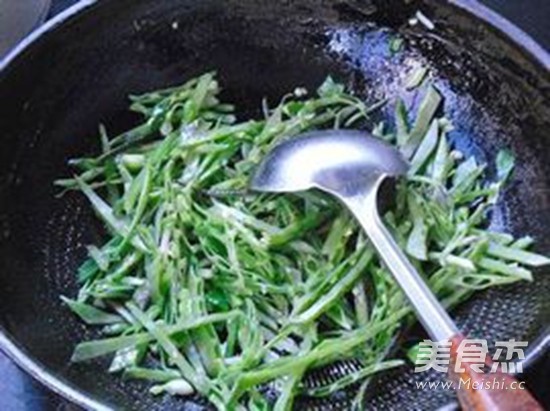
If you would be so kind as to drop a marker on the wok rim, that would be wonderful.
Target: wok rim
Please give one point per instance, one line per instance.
(13, 350)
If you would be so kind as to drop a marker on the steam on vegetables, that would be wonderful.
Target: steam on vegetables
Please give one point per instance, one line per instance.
(202, 287)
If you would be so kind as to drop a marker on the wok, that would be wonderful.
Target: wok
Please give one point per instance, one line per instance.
(76, 72)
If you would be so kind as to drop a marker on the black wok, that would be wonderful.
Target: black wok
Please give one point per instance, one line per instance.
(77, 71)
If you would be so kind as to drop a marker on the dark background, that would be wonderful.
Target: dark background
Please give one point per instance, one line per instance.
(20, 393)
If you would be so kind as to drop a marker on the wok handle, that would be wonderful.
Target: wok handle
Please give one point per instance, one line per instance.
(496, 391)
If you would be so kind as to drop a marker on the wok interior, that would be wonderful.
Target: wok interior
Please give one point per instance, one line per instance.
(54, 96)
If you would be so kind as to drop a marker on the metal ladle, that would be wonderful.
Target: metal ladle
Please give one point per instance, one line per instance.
(351, 165)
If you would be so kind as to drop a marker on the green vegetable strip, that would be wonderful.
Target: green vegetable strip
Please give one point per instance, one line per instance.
(416, 77)
(352, 378)
(89, 314)
(336, 291)
(520, 256)
(158, 332)
(139, 373)
(102, 208)
(425, 149)
(426, 112)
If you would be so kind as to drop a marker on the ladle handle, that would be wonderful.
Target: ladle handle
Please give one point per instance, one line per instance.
(493, 390)
(435, 319)
(429, 311)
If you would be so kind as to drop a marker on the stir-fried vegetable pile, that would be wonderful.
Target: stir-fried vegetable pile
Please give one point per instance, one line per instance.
(205, 287)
